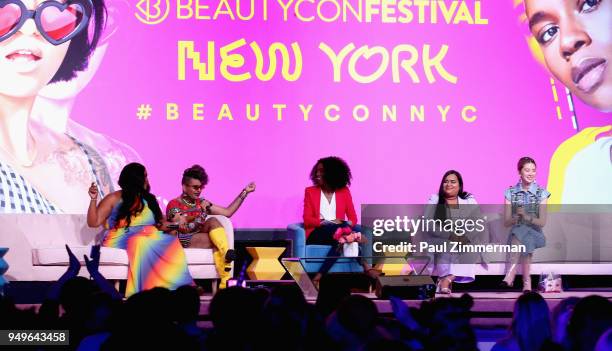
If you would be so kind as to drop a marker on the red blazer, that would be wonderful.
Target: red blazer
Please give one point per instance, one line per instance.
(312, 204)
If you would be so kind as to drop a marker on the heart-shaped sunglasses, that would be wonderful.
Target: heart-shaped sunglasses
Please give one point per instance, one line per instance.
(56, 21)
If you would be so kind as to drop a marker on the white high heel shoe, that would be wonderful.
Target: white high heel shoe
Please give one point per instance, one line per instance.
(440, 289)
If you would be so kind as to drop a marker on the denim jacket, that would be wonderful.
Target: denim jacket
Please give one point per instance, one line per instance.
(529, 199)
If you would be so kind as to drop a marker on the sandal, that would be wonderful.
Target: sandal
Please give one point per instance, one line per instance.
(440, 289)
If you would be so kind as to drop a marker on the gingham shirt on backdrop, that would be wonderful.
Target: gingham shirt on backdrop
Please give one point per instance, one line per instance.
(17, 195)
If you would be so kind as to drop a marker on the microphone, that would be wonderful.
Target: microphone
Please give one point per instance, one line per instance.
(207, 209)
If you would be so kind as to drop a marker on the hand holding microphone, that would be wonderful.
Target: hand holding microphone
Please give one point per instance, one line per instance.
(205, 205)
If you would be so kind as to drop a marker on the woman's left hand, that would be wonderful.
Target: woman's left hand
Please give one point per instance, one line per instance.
(205, 205)
(250, 187)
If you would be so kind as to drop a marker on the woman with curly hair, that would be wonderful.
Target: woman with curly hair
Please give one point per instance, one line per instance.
(135, 223)
(195, 229)
(329, 213)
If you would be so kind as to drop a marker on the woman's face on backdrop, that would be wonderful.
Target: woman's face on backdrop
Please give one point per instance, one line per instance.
(27, 60)
(576, 39)
(528, 173)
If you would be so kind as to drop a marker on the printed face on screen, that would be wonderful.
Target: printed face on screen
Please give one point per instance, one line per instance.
(451, 185)
(528, 173)
(28, 60)
(576, 39)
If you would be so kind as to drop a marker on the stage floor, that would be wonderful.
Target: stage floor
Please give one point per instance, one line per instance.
(491, 309)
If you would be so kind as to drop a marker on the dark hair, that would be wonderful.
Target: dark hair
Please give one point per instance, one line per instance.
(336, 173)
(331, 293)
(566, 305)
(523, 161)
(186, 304)
(133, 192)
(447, 322)
(531, 322)
(357, 314)
(195, 172)
(591, 317)
(81, 47)
(229, 303)
(441, 207)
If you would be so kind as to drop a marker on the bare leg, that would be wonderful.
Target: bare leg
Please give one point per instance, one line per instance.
(513, 264)
(201, 241)
(526, 268)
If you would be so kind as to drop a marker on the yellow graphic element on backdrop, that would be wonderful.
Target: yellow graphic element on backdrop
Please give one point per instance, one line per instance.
(150, 12)
(230, 59)
(562, 157)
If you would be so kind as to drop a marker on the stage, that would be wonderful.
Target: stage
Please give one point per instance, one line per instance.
(491, 309)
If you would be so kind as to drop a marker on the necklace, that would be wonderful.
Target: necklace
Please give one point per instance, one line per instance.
(186, 202)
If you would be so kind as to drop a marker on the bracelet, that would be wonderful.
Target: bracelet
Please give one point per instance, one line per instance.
(243, 194)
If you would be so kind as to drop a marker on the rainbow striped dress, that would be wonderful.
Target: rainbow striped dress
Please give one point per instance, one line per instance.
(154, 258)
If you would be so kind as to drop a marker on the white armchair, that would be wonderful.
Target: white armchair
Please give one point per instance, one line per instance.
(37, 252)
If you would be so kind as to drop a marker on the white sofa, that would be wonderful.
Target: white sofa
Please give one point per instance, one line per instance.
(37, 252)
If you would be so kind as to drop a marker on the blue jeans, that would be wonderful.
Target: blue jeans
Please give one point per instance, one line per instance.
(324, 235)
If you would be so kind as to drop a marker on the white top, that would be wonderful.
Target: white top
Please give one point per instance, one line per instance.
(327, 209)
(433, 199)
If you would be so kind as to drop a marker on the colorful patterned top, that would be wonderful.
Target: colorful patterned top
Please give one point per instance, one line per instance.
(195, 217)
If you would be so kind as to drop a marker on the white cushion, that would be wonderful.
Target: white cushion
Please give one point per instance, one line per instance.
(108, 256)
(199, 256)
(59, 256)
